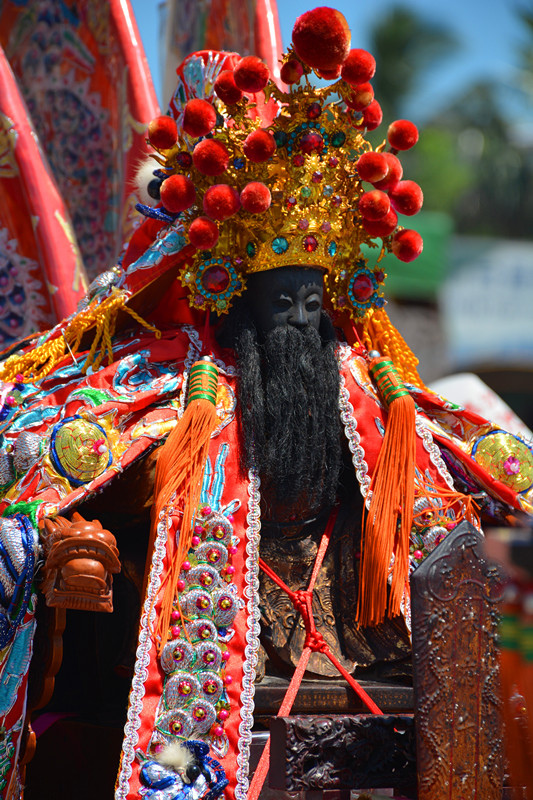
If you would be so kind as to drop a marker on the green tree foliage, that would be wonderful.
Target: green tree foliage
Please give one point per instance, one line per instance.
(404, 44)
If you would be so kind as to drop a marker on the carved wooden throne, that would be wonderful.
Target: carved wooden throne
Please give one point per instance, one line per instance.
(457, 724)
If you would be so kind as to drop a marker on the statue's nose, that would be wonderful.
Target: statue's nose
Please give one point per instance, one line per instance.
(298, 317)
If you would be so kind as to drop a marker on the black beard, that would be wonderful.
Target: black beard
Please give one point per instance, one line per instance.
(288, 393)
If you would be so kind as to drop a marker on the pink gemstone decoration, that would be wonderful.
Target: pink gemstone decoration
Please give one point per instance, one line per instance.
(303, 224)
(512, 465)
(362, 288)
(180, 586)
(418, 554)
(198, 300)
(310, 244)
(314, 111)
(216, 279)
(326, 227)
(311, 142)
(316, 177)
(223, 714)
(218, 730)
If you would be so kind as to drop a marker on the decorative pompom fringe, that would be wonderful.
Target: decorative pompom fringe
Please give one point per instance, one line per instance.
(387, 524)
(179, 473)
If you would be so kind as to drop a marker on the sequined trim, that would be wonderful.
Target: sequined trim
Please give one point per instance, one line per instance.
(140, 676)
(197, 343)
(354, 440)
(251, 594)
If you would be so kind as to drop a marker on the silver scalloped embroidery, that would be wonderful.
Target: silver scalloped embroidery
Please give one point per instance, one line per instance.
(202, 630)
(175, 723)
(213, 553)
(180, 689)
(203, 715)
(226, 607)
(177, 654)
(27, 450)
(219, 528)
(7, 472)
(212, 686)
(203, 575)
(197, 601)
(208, 656)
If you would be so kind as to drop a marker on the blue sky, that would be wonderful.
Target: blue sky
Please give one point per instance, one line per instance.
(488, 32)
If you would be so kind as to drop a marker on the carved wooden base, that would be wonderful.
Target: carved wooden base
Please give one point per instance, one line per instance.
(455, 594)
(342, 753)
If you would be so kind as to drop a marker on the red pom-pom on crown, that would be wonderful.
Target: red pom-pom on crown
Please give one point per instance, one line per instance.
(210, 157)
(227, 89)
(291, 71)
(381, 227)
(251, 74)
(199, 117)
(374, 205)
(360, 97)
(163, 132)
(394, 172)
(372, 167)
(259, 146)
(177, 193)
(407, 245)
(402, 134)
(203, 233)
(256, 197)
(359, 67)
(372, 116)
(321, 38)
(407, 197)
(221, 202)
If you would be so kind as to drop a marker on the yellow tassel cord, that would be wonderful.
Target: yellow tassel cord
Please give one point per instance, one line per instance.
(41, 360)
(179, 474)
(387, 525)
(380, 334)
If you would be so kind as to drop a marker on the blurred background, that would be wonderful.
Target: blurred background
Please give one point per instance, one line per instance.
(462, 70)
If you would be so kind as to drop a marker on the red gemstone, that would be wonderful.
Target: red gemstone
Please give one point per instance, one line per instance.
(184, 160)
(215, 279)
(362, 288)
(310, 244)
(333, 161)
(379, 276)
(298, 161)
(314, 111)
(310, 142)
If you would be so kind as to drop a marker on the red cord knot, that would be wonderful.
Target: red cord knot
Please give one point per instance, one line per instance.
(316, 642)
(300, 599)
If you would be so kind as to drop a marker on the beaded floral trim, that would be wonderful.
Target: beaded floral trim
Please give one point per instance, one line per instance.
(251, 594)
(140, 676)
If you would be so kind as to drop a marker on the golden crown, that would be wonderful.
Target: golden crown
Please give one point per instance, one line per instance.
(256, 177)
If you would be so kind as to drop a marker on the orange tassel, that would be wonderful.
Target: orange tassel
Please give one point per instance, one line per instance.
(387, 525)
(179, 472)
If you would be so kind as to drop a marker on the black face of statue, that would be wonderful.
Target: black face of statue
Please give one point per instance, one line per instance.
(286, 296)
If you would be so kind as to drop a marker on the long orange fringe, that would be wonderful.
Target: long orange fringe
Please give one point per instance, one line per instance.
(393, 494)
(179, 472)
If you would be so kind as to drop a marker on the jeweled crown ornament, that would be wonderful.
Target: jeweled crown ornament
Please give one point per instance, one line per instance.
(257, 177)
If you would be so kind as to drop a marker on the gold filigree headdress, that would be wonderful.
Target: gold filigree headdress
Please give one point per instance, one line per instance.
(292, 160)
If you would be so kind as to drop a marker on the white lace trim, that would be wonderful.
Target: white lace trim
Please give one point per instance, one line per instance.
(251, 595)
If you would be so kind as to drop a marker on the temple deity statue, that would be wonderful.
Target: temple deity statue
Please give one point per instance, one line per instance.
(232, 416)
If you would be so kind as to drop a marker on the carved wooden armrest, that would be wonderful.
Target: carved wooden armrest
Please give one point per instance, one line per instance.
(81, 558)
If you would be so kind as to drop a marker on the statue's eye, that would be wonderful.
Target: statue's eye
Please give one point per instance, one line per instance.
(282, 303)
(312, 305)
